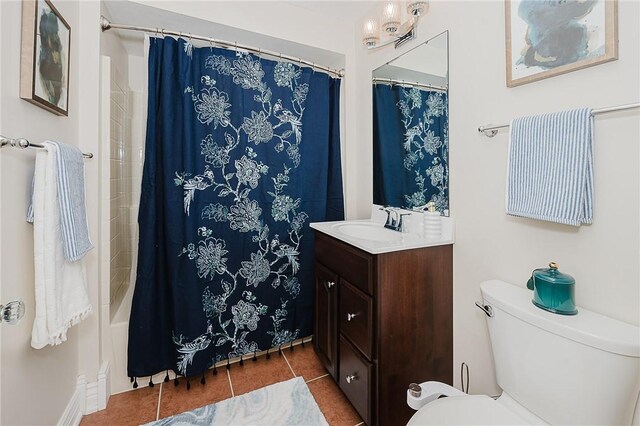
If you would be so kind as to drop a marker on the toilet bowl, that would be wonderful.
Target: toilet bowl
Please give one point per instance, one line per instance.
(553, 369)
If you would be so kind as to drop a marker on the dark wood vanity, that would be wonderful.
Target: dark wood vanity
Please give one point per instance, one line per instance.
(383, 321)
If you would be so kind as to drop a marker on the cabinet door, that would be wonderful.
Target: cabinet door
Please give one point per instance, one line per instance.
(355, 379)
(326, 324)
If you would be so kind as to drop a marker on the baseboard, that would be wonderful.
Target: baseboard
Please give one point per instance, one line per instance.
(75, 408)
(97, 393)
(104, 385)
(87, 398)
(91, 405)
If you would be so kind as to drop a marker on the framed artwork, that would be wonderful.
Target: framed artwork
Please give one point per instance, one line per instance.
(548, 38)
(44, 61)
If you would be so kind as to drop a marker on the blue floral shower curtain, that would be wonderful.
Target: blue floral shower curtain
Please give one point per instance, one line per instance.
(241, 155)
(410, 147)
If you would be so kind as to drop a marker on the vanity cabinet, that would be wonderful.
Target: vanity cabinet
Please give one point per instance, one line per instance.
(382, 322)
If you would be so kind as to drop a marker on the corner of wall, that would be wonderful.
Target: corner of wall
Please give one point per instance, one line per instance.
(96, 394)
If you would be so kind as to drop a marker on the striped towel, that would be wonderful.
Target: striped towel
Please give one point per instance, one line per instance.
(73, 212)
(550, 167)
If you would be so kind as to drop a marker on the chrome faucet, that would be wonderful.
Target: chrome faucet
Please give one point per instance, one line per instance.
(395, 219)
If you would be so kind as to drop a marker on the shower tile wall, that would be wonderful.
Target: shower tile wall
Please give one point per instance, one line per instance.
(120, 188)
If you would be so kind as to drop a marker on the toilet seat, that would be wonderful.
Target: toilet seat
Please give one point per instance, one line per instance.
(465, 410)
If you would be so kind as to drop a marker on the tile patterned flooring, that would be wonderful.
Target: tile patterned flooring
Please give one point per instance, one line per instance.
(147, 404)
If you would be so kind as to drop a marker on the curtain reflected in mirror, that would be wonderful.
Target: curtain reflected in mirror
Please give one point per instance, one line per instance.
(411, 128)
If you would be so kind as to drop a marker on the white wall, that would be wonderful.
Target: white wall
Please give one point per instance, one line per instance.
(28, 375)
(47, 376)
(88, 39)
(604, 258)
(1, 74)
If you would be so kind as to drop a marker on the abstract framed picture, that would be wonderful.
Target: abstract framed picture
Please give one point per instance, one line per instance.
(545, 38)
(44, 62)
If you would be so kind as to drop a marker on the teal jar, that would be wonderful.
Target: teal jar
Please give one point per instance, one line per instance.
(553, 291)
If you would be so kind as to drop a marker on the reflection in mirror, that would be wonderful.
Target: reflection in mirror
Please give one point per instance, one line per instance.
(411, 128)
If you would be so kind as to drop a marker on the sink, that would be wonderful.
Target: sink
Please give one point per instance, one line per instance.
(369, 231)
(371, 236)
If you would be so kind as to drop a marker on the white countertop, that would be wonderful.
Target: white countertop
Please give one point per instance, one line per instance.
(398, 241)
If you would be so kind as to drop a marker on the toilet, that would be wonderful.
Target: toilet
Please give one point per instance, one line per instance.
(552, 369)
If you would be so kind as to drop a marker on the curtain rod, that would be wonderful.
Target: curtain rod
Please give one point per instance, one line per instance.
(407, 83)
(23, 143)
(107, 25)
(490, 131)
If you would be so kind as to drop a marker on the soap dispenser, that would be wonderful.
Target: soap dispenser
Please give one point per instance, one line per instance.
(432, 222)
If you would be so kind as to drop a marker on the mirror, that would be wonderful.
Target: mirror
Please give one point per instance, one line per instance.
(411, 128)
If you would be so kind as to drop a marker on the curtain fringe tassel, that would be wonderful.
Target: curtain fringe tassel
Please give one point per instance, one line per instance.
(214, 368)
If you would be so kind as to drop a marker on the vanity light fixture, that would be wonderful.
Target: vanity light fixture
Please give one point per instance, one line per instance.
(396, 31)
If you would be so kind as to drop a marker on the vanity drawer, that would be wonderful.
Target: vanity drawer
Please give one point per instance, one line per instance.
(355, 379)
(355, 265)
(356, 317)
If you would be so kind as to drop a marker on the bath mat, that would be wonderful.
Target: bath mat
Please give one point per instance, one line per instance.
(284, 403)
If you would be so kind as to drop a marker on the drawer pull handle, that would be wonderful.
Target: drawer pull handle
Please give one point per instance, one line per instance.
(351, 316)
(350, 378)
(330, 284)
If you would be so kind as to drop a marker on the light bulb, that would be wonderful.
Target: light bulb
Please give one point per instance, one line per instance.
(370, 36)
(391, 17)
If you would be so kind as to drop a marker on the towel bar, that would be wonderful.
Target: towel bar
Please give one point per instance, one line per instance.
(23, 143)
(490, 131)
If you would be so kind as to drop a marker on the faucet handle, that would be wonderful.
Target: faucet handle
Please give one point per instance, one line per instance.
(401, 224)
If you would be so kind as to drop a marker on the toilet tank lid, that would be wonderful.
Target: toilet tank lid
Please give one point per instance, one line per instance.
(587, 327)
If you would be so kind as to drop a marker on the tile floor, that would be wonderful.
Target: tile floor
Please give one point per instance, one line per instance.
(147, 404)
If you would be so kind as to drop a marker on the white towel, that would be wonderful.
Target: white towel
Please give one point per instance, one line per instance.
(550, 167)
(60, 286)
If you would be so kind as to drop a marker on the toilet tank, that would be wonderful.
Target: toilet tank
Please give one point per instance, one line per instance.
(577, 370)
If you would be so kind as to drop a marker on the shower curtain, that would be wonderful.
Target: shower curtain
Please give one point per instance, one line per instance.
(241, 155)
(410, 147)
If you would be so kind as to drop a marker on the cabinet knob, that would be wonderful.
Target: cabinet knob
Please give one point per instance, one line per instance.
(351, 316)
(351, 377)
(330, 284)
